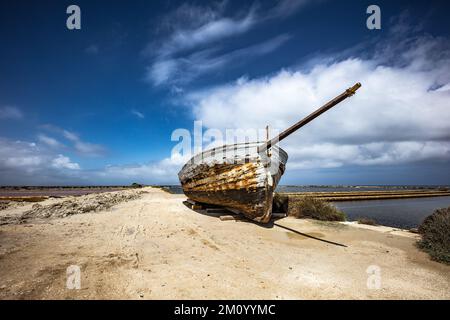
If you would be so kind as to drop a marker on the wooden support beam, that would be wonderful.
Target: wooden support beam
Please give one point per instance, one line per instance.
(194, 205)
(232, 217)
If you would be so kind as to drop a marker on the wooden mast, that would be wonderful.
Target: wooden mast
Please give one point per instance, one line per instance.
(330, 104)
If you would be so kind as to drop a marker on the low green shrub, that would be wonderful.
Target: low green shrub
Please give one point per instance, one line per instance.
(136, 185)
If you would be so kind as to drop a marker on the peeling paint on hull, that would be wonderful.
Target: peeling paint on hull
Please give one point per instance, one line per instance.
(235, 176)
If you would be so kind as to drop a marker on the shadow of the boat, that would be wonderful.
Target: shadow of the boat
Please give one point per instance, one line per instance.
(220, 212)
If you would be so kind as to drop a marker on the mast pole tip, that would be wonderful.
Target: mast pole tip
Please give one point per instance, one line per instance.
(351, 91)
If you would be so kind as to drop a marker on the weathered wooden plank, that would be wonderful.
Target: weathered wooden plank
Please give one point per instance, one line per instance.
(227, 217)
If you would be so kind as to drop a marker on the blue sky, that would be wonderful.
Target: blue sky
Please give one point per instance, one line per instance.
(99, 105)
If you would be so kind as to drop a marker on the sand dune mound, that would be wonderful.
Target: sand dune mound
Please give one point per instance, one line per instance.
(77, 205)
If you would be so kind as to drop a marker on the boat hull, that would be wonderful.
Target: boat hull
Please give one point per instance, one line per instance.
(236, 177)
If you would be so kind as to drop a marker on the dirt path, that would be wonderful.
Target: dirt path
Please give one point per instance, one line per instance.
(155, 247)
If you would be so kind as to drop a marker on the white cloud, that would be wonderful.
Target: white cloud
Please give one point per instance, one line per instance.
(23, 161)
(185, 69)
(20, 155)
(41, 162)
(191, 27)
(161, 71)
(191, 47)
(51, 142)
(138, 114)
(93, 49)
(397, 116)
(286, 8)
(332, 155)
(208, 32)
(8, 112)
(62, 162)
(28, 163)
(82, 147)
(162, 172)
(30, 156)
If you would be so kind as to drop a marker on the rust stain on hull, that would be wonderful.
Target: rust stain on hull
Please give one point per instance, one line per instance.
(224, 177)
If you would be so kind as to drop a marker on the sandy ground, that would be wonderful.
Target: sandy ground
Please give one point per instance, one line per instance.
(155, 247)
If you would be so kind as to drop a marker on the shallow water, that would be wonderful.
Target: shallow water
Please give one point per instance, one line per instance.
(400, 213)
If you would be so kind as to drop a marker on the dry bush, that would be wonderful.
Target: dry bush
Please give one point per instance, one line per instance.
(435, 232)
(368, 221)
(280, 203)
(307, 207)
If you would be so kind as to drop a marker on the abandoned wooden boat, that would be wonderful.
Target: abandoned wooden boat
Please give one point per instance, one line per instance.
(243, 177)
(235, 176)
